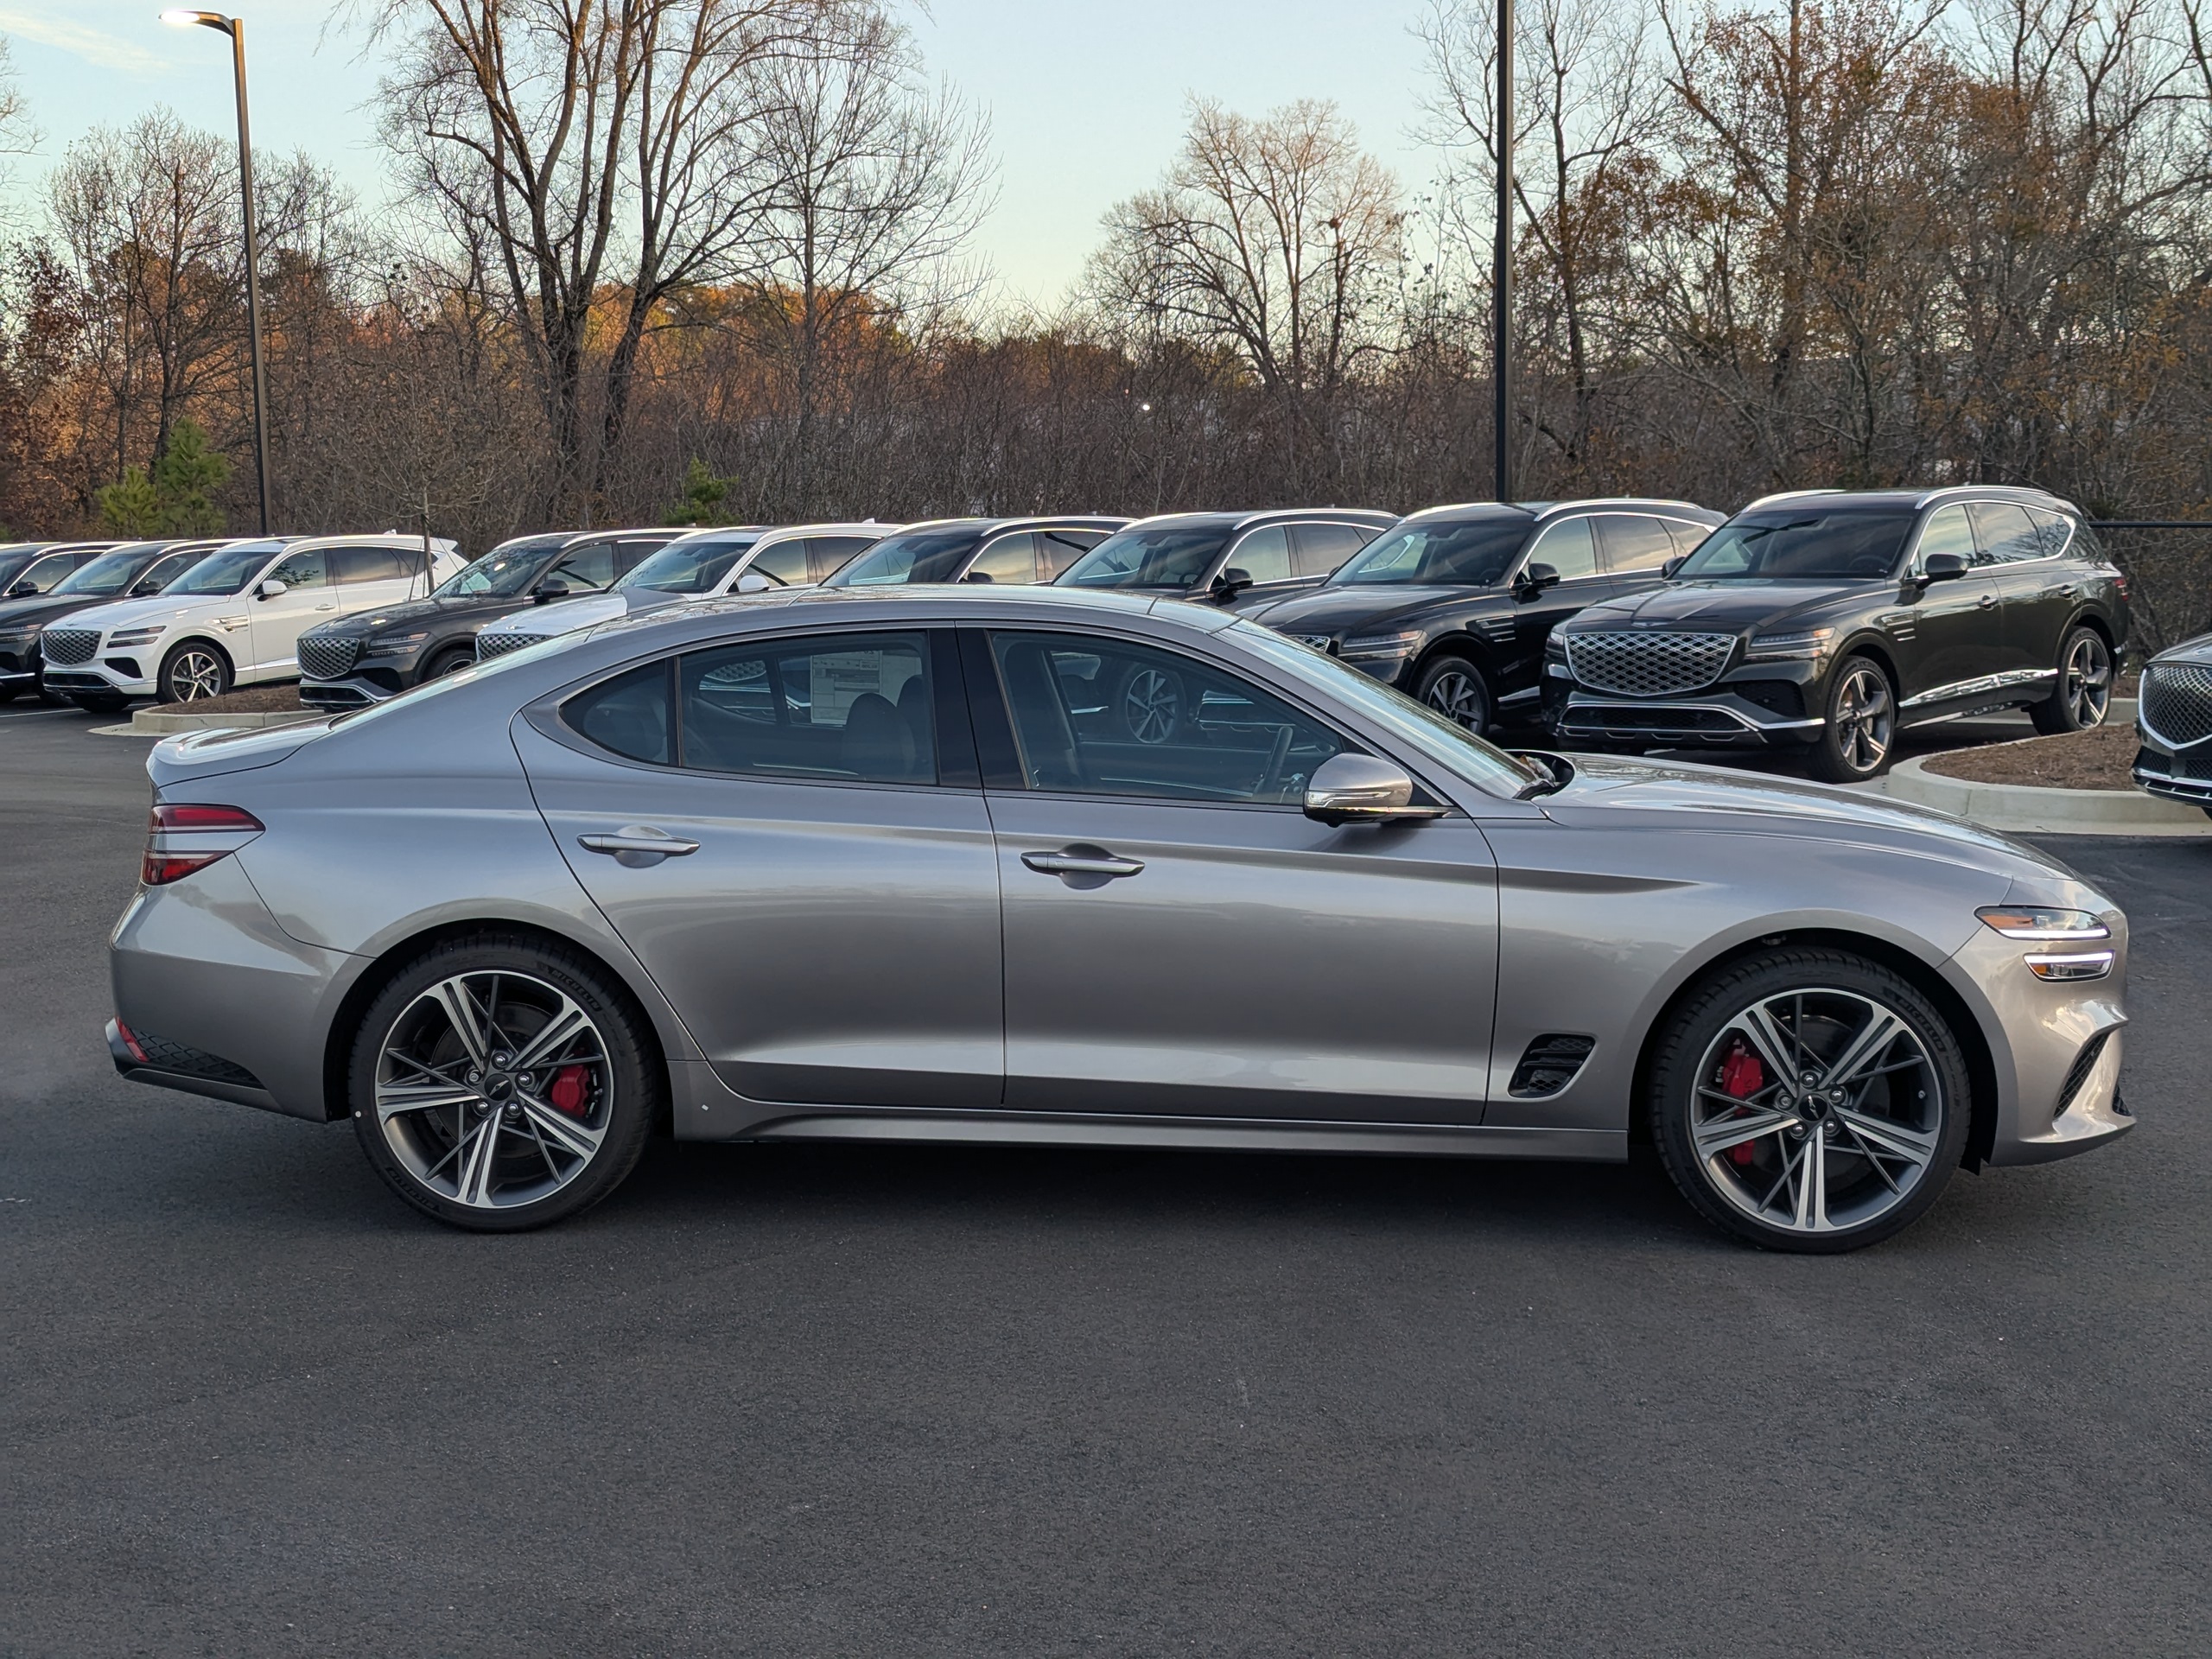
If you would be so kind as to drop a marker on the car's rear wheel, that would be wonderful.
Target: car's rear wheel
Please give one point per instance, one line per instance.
(499, 1082)
(1854, 744)
(1455, 688)
(1808, 1100)
(192, 672)
(2083, 693)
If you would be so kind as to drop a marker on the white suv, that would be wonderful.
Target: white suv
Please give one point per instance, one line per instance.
(730, 559)
(233, 619)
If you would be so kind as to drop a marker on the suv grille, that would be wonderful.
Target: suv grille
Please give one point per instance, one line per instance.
(489, 646)
(1648, 665)
(2176, 700)
(325, 659)
(68, 645)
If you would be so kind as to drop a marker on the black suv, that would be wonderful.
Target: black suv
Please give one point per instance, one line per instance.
(1236, 560)
(134, 570)
(1454, 604)
(1020, 552)
(357, 660)
(31, 568)
(2173, 724)
(1824, 621)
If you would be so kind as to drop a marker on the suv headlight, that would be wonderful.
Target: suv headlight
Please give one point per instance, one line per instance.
(2036, 925)
(1381, 647)
(1800, 643)
(134, 637)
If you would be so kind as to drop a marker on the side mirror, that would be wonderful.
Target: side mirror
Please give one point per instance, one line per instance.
(1230, 582)
(272, 588)
(549, 590)
(23, 590)
(1364, 789)
(1942, 566)
(1533, 579)
(753, 582)
(1666, 570)
(983, 576)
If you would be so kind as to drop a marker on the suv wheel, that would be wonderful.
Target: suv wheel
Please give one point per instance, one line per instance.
(1808, 1100)
(2083, 693)
(450, 661)
(1456, 688)
(1854, 744)
(192, 672)
(499, 1084)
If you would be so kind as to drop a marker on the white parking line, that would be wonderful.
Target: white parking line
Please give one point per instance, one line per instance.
(33, 713)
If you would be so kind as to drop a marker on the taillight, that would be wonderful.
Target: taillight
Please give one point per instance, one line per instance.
(183, 838)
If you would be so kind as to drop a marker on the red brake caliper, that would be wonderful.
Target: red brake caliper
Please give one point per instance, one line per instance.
(1741, 1075)
(567, 1093)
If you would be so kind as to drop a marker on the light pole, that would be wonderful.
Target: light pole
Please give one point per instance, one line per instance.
(235, 27)
(1502, 258)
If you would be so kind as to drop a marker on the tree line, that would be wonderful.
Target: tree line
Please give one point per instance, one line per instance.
(714, 259)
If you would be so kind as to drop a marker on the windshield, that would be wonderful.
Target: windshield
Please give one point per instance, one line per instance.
(505, 571)
(111, 573)
(918, 556)
(1799, 546)
(1163, 555)
(692, 564)
(226, 571)
(1437, 736)
(1475, 552)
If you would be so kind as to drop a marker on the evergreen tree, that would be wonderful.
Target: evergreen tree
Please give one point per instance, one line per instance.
(131, 506)
(702, 499)
(185, 478)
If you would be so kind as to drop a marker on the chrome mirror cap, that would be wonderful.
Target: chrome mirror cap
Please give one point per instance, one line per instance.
(1363, 789)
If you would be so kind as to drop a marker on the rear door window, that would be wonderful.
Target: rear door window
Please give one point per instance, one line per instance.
(1634, 541)
(2003, 533)
(1319, 550)
(350, 565)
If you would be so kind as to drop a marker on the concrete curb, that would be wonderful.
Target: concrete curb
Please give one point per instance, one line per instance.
(2015, 808)
(151, 721)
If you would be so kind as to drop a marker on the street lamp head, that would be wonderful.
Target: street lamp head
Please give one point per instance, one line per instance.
(179, 18)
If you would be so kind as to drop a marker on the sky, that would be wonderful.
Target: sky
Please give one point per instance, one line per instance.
(1086, 98)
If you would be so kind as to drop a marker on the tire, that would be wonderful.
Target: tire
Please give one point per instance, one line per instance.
(1457, 689)
(451, 660)
(1883, 1140)
(193, 672)
(2082, 696)
(100, 702)
(562, 1131)
(1859, 736)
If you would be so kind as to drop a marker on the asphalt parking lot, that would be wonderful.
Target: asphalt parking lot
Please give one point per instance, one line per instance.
(854, 1401)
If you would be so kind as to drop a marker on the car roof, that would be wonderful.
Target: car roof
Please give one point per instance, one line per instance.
(1537, 511)
(1239, 519)
(1914, 499)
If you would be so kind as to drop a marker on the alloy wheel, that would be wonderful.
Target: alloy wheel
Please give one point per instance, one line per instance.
(1816, 1110)
(494, 1089)
(1459, 694)
(1152, 704)
(194, 674)
(1863, 718)
(2087, 680)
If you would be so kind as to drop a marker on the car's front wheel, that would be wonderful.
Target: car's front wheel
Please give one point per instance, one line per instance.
(1455, 688)
(500, 1083)
(1809, 1099)
(192, 672)
(450, 662)
(2084, 692)
(1861, 726)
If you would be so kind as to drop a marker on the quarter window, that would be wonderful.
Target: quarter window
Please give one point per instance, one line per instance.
(2004, 532)
(1568, 548)
(1634, 541)
(1097, 716)
(2053, 531)
(1264, 556)
(838, 708)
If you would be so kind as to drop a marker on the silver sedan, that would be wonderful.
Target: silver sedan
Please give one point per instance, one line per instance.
(1041, 867)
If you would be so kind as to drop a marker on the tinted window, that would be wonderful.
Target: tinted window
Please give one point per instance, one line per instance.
(1098, 717)
(1159, 555)
(504, 572)
(783, 562)
(1568, 548)
(827, 555)
(690, 564)
(374, 563)
(851, 707)
(1006, 559)
(1948, 531)
(2003, 532)
(1264, 555)
(627, 713)
(1825, 545)
(629, 555)
(305, 569)
(111, 573)
(1318, 549)
(916, 556)
(590, 565)
(164, 571)
(2054, 530)
(1474, 552)
(227, 571)
(1057, 549)
(1689, 538)
(42, 574)
(1634, 541)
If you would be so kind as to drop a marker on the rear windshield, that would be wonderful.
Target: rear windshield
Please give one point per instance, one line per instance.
(226, 570)
(916, 556)
(693, 564)
(111, 573)
(1163, 555)
(1782, 546)
(1472, 552)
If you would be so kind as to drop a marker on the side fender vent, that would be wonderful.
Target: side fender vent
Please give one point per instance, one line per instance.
(1550, 1065)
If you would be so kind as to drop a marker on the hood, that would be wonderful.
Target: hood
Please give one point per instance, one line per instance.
(1343, 607)
(157, 608)
(35, 613)
(1721, 607)
(2198, 650)
(414, 610)
(567, 615)
(195, 755)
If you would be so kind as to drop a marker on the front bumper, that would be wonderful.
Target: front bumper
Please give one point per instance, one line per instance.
(2175, 772)
(1715, 718)
(116, 676)
(357, 691)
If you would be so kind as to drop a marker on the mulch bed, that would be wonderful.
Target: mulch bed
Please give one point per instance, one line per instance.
(2092, 760)
(254, 699)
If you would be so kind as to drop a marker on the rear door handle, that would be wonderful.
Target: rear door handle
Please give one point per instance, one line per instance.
(1986, 601)
(638, 846)
(1082, 864)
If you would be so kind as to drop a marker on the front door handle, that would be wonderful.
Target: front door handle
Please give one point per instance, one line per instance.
(1986, 601)
(1075, 862)
(638, 846)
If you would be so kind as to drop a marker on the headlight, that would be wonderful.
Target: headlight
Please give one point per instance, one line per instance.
(1804, 642)
(1380, 647)
(1554, 648)
(398, 641)
(134, 637)
(2033, 923)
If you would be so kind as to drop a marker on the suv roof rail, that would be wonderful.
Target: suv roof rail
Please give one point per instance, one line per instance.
(1998, 492)
(1788, 495)
(1584, 503)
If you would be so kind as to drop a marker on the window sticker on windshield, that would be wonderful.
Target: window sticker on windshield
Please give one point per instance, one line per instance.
(837, 679)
